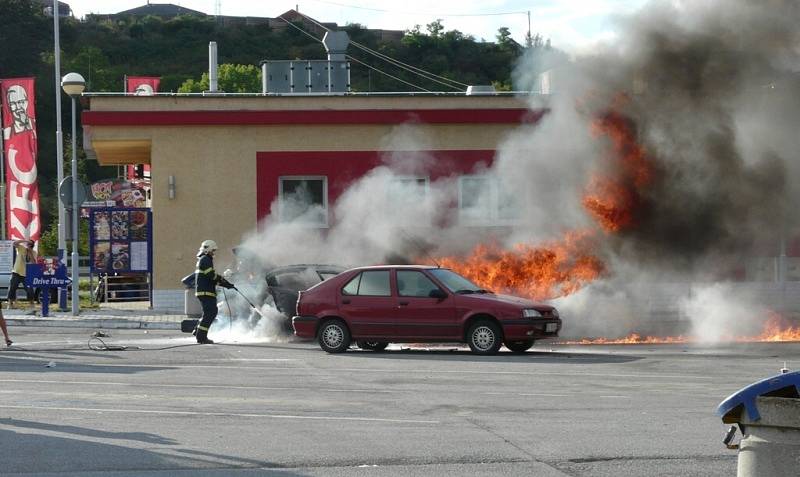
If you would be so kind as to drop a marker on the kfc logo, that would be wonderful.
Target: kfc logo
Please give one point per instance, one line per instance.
(21, 149)
(17, 100)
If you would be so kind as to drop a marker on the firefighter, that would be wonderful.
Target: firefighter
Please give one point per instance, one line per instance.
(206, 281)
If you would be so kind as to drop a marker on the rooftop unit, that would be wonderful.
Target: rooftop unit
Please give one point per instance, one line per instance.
(311, 76)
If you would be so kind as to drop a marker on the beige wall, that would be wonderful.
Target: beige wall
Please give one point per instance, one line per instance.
(215, 166)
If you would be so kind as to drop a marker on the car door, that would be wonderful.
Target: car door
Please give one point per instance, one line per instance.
(418, 315)
(366, 302)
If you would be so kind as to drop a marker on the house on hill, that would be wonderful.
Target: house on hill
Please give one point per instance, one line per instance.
(163, 10)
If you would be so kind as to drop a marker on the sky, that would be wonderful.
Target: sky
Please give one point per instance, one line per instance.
(571, 25)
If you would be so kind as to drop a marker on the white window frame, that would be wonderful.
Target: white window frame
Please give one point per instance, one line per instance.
(493, 217)
(324, 180)
(399, 179)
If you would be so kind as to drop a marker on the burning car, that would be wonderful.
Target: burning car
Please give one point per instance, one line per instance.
(285, 283)
(375, 306)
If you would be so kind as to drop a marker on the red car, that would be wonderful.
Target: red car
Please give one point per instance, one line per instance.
(375, 306)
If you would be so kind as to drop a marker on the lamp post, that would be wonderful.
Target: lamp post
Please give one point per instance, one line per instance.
(73, 84)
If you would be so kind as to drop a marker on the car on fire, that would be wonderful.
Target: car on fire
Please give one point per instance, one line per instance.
(378, 305)
(285, 283)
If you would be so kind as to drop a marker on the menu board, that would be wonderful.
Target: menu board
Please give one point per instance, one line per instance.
(120, 240)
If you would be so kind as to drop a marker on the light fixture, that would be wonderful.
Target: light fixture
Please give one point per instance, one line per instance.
(73, 84)
(171, 188)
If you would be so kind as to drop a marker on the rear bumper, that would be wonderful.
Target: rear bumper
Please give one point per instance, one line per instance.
(531, 328)
(305, 326)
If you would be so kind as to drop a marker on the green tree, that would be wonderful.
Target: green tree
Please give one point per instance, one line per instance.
(231, 79)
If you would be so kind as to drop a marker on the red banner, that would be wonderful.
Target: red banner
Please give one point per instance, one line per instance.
(143, 85)
(20, 147)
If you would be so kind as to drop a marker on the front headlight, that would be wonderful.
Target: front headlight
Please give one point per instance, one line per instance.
(555, 313)
(531, 313)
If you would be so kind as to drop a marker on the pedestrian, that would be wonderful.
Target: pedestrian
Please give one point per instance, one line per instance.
(206, 281)
(25, 255)
(4, 328)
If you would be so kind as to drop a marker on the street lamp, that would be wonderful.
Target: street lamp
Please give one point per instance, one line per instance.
(73, 84)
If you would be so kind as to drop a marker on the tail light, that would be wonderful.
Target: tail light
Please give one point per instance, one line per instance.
(299, 299)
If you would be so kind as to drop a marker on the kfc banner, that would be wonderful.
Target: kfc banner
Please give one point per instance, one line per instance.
(20, 147)
(142, 85)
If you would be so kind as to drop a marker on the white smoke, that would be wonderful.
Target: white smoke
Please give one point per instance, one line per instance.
(723, 311)
(712, 90)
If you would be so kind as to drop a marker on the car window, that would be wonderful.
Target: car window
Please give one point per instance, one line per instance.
(453, 281)
(415, 284)
(375, 283)
(297, 280)
(352, 286)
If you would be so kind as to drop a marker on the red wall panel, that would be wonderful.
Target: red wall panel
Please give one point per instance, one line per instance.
(343, 167)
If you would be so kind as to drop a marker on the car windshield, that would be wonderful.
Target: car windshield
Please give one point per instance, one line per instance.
(455, 282)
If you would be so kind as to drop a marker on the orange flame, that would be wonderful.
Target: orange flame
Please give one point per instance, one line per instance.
(614, 200)
(776, 329)
(542, 272)
(556, 269)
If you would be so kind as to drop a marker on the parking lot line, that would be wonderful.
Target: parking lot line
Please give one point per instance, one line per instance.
(221, 414)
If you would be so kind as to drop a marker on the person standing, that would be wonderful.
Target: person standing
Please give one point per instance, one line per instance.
(25, 255)
(206, 281)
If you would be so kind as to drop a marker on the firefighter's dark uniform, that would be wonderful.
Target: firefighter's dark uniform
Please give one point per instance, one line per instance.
(206, 280)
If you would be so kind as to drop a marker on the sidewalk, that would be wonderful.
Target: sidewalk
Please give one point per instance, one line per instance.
(132, 317)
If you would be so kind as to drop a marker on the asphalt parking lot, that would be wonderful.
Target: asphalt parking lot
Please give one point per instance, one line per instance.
(166, 406)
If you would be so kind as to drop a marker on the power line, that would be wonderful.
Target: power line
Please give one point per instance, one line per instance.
(387, 74)
(421, 13)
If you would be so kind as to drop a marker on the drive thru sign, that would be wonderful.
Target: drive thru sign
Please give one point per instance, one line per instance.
(48, 273)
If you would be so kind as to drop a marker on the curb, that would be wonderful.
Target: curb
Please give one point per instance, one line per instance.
(118, 324)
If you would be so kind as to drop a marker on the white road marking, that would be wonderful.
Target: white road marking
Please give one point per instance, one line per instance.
(221, 414)
(203, 386)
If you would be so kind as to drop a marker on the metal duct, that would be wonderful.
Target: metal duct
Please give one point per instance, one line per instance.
(212, 67)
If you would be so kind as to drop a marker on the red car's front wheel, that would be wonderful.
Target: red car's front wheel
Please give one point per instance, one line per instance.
(484, 337)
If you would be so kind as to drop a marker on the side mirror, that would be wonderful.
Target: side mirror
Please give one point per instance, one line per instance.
(438, 294)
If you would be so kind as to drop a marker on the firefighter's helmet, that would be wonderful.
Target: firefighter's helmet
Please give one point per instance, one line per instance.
(207, 246)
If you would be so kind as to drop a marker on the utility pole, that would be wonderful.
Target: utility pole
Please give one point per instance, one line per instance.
(62, 241)
(529, 39)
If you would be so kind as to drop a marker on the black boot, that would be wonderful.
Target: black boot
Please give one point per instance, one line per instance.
(202, 337)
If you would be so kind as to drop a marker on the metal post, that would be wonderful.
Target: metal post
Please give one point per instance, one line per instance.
(75, 212)
(529, 27)
(62, 241)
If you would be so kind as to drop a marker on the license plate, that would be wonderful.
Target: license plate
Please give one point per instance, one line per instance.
(551, 327)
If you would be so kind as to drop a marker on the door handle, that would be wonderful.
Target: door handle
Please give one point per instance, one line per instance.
(402, 303)
(346, 301)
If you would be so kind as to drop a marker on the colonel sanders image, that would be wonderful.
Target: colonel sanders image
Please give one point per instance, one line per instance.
(143, 89)
(17, 99)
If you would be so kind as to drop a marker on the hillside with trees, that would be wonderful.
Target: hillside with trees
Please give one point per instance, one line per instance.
(104, 50)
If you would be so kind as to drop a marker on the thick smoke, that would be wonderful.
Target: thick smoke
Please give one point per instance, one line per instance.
(712, 90)
(709, 90)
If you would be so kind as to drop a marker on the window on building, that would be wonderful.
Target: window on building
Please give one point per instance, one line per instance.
(483, 200)
(304, 200)
(405, 188)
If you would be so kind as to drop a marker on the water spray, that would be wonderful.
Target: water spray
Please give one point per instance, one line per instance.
(250, 303)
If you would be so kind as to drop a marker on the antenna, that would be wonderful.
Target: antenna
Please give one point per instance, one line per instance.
(420, 246)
